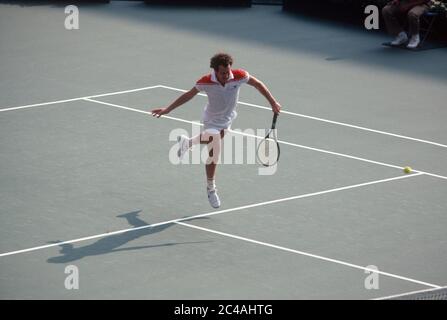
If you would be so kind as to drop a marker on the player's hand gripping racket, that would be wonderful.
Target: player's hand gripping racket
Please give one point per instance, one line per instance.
(268, 150)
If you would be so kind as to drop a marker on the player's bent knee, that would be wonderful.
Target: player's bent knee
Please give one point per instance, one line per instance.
(210, 135)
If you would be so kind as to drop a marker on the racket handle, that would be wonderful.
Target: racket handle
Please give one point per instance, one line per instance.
(275, 116)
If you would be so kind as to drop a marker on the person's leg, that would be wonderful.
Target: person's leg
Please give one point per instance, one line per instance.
(390, 13)
(212, 138)
(186, 143)
(414, 16)
(203, 138)
(213, 141)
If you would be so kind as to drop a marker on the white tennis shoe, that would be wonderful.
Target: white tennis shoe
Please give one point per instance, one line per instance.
(400, 39)
(414, 42)
(183, 145)
(213, 198)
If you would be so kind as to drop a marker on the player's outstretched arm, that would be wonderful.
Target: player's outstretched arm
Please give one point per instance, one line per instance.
(276, 107)
(158, 112)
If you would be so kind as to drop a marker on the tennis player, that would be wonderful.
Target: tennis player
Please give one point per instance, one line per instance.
(222, 88)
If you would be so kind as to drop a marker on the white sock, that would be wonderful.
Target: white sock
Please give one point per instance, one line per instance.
(211, 184)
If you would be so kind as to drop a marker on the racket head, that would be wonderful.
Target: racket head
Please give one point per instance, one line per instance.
(268, 151)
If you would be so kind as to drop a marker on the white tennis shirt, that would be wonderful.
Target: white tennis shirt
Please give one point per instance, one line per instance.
(220, 110)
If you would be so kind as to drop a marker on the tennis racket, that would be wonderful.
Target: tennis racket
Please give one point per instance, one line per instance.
(268, 150)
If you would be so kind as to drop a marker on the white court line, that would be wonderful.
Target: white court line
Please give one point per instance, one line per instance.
(38, 104)
(327, 121)
(121, 92)
(140, 111)
(240, 102)
(309, 255)
(75, 99)
(212, 213)
(87, 98)
(280, 141)
(408, 293)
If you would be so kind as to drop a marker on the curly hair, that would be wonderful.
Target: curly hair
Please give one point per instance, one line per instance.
(221, 59)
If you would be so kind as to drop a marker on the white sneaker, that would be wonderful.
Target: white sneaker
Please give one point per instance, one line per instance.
(213, 198)
(400, 39)
(183, 145)
(414, 42)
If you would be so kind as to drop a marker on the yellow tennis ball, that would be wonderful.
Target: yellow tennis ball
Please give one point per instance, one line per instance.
(407, 169)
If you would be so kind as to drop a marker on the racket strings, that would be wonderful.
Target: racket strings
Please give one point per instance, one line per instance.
(267, 152)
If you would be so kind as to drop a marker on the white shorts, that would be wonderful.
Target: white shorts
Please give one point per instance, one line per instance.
(214, 129)
(218, 125)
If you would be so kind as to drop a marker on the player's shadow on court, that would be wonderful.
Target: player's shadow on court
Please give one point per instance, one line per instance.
(112, 243)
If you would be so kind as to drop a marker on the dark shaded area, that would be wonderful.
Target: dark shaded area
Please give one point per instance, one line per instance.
(210, 3)
(344, 11)
(112, 243)
(335, 39)
(204, 3)
(333, 34)
(57, 3)
(352, 12)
